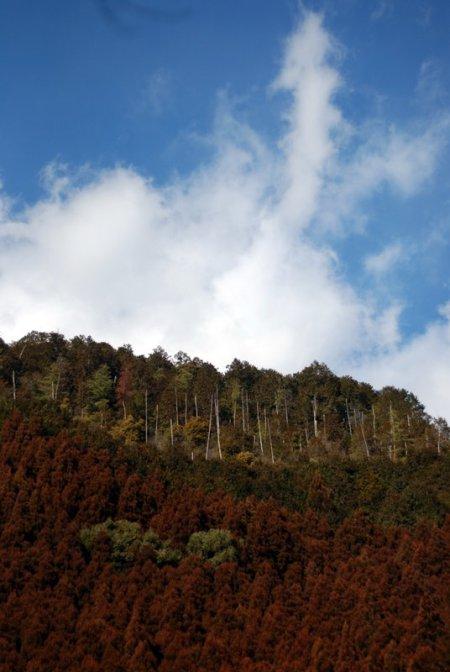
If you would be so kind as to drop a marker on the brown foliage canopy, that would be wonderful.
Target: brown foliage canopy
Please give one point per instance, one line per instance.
(300, 596)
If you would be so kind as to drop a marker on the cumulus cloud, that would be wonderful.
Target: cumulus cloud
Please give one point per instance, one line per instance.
(421, 365)
(227, 261)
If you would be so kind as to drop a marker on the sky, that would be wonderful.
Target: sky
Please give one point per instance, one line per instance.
(265, 180)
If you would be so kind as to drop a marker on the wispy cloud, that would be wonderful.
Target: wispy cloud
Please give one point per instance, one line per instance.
(384, 261)
(429, 89)
(156, 93)
(382, 9)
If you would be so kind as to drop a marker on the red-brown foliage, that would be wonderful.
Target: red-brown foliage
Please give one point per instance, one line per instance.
(301, 597)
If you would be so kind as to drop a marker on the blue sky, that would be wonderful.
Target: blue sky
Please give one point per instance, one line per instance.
(148, 142)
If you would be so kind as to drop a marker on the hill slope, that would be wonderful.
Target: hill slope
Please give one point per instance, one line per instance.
(158, 515)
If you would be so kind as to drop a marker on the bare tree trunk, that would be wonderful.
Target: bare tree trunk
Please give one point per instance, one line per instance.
(146, 415)
(185, 408)
(259, 428)
(248, 411)
(234, 413)
(314, 404)
(218, 424)
(57, 384)
(196, 405)
(124, 409)
(265, 424)
(243, 410)
(270, 444)
(171, 432)
(364, 436)
(209, 430)
(348, 417)
(176, 407)
(439, 440)
(391, 418)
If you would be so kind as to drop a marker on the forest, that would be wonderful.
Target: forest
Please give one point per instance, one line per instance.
(158, 514)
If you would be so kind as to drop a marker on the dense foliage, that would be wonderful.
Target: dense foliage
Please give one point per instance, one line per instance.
(248, 413)
(318, 543)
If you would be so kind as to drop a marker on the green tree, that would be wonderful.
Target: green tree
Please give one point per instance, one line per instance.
(100, 386)
(214, 546)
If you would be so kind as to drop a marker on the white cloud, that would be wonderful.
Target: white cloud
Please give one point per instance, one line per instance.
(384, 261)
(222, 263)
(422, 366)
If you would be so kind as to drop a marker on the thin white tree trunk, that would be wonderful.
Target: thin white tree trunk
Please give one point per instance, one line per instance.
(364, 436)
(176, 407)
(248, 411)
(314, 404)
(146, 415)
(209, 430)
(348, 417)
(270, 444)
(259, 428)
(218, 425)
(392, 448)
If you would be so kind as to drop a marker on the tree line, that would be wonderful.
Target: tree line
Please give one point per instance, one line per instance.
(247, 413)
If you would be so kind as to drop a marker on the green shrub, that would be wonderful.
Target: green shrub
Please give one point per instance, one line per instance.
(126, 538)
(150, 538)
(215, 546)
(167, 555)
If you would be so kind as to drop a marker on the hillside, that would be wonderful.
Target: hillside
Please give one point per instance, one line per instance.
(248, 413)
(158, 515)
